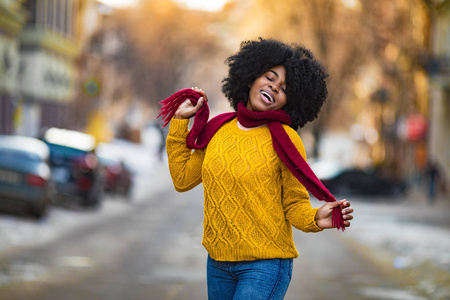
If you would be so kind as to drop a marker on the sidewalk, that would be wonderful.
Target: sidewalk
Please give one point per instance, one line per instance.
(417, 208)
(408, 236)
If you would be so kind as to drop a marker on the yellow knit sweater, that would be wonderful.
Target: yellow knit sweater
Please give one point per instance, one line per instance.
(251, 197)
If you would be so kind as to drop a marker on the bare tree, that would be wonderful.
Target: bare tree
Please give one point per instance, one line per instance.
(164, 41)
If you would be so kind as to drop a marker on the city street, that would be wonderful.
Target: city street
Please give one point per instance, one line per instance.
(88, 209)
(150, 248)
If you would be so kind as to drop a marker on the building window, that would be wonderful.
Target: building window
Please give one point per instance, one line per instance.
(54, 15)
(31, 7)
(70, 17)
(50, 13)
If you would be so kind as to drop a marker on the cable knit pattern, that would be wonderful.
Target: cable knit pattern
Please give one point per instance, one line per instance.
(251, 197)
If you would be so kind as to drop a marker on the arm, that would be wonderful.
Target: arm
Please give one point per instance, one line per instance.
(298, 208)
(295, 197)
(184, 164)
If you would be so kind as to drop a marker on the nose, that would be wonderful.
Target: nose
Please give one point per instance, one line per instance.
(274, 87)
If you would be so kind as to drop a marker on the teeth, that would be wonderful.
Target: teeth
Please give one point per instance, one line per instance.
(267, 96)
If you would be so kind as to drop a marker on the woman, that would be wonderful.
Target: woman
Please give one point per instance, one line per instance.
(253, 192)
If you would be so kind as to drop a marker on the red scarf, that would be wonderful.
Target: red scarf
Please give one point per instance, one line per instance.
(202, 131)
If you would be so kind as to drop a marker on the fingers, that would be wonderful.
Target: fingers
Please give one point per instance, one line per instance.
(188, 104)
(347, 217)
(198, 105)
(187, 109)
(198, 90)
(337, 203)
(201, 92)
(343, 203)
(346, 212)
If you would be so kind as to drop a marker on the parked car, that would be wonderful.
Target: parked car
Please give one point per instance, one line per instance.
(342, 180)
(75, 167)
(25, 176)
(117, 175)
(361, 182)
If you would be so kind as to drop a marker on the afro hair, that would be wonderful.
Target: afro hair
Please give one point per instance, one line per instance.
(306, 88)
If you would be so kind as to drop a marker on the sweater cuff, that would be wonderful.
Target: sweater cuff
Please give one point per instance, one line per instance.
(315, 227)
(179, 127)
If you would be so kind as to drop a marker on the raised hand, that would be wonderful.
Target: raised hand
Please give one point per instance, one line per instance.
(187, 110)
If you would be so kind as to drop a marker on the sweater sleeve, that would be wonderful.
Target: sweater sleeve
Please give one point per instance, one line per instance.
(185, 165)
(296, 204)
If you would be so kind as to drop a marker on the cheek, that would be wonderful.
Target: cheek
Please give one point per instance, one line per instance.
(284, 100)
(252, 90)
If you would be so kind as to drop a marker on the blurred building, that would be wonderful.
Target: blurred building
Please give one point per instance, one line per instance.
(439, 71)
(107, 105)
(47, 52)
(12, 20)
(40, 41)
(63, 64)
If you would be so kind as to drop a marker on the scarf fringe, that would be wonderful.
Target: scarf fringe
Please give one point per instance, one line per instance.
(171, 104)
(337, 220)
(201, 133)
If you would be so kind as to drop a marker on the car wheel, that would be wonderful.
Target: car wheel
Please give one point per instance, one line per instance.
(398, 191)
(93, 200)
(38, 211)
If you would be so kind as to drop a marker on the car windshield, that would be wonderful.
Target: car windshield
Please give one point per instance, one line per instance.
(65, 152)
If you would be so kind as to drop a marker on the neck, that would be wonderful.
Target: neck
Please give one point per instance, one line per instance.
(248, 128)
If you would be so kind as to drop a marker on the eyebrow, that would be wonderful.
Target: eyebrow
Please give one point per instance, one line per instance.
(274, 73)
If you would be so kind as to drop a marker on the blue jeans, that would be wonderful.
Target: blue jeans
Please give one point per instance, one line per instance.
(245, 280)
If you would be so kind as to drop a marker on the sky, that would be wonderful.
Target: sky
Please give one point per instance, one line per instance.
(209, 5)
(119, 3)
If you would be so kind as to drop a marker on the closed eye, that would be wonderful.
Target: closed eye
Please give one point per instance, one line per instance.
(283, 88)
(269, 77)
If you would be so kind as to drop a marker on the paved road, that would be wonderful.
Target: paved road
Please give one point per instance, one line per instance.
(153, 251)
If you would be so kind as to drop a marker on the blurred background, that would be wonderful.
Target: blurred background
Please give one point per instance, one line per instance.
(101, 67)
(85, 77)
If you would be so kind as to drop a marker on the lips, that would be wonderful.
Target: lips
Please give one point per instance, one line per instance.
(267, 97)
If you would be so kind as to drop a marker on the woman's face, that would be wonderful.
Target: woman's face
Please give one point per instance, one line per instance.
(268, 91)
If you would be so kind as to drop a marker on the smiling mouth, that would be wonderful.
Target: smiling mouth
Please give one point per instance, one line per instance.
(267, 96)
